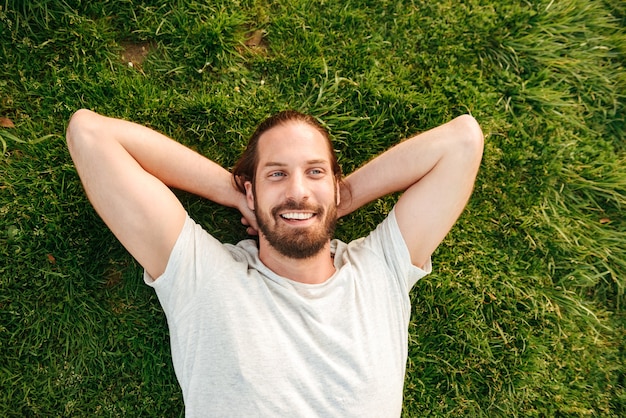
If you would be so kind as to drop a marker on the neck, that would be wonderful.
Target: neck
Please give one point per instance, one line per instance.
(313, 270)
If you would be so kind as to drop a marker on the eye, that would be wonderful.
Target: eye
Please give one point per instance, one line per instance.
(276, 174)
(316, 172)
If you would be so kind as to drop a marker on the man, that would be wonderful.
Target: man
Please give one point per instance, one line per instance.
(298, 325)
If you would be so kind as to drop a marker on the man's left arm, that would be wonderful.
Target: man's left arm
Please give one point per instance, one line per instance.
(436, 171)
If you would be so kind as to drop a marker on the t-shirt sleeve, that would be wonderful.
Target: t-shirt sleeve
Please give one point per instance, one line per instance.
(195, 251)
(390, 243)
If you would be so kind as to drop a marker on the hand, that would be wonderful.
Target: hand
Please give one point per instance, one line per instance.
(251, 229)
(249, 218)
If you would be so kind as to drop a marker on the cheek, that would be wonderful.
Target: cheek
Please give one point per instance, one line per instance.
(330, 193)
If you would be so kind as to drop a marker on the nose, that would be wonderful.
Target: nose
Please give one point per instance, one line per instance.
(297, 188)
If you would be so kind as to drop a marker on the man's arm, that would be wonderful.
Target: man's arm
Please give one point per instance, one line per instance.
(126, 170)
(436, 171)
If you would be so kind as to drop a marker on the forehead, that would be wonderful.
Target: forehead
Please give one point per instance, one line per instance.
(291, 143)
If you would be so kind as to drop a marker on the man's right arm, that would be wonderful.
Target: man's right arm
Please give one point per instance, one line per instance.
(127, 169)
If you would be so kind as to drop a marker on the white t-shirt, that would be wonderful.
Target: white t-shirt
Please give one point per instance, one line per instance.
(247, 342)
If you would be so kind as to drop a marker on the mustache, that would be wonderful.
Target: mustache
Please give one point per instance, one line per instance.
(293, 205)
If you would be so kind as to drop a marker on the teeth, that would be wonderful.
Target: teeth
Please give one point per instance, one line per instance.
(297, 215)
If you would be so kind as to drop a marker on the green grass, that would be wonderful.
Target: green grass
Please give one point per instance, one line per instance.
(525, 312)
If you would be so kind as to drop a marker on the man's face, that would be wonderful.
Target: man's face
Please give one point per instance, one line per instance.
(295, 192)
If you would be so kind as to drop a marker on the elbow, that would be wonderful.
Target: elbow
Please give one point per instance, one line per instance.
(470, 136)
(472, 133)
(77, 127)
(77, 122)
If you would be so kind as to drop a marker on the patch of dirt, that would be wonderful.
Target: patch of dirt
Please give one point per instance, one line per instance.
(256, 42)
(113, 278)
(135, 53)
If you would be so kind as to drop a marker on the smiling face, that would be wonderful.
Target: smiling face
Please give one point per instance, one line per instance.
(295, 191)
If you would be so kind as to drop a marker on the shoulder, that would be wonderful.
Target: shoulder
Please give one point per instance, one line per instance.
(383, 246)
(384, 237)
(196, 250)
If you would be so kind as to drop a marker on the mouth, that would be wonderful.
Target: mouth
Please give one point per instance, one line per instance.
(297, 216)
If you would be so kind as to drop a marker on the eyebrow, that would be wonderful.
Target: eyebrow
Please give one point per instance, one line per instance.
(309, 162)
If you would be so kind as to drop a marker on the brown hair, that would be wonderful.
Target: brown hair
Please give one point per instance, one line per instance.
(245, 168)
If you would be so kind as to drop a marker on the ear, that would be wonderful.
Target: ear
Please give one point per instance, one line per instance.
(249, 195)
(337, 192)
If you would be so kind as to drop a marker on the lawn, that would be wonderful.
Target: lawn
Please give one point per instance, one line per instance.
(524, 314)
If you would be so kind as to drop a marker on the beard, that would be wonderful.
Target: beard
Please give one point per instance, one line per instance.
(295, 242)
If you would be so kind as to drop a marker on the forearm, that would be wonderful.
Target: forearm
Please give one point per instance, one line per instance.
(172, 163)
(392, 171)
(401, 166)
